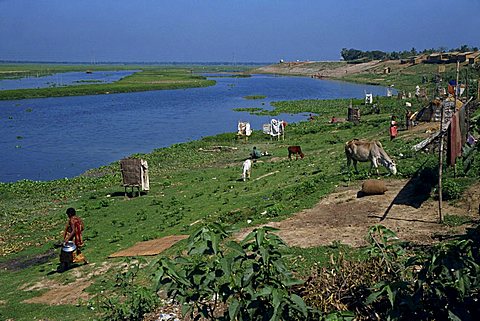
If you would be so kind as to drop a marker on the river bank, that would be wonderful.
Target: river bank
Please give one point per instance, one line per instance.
(389, 73)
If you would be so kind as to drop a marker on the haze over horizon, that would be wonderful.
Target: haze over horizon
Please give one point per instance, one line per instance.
(227, 31)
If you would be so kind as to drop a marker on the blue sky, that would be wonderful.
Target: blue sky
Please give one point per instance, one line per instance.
(228, 30)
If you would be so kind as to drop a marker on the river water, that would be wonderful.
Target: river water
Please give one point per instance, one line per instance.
(65, 79)
(52, 138)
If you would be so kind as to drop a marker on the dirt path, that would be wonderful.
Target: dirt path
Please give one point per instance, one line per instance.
(69, 293)
(344, 217)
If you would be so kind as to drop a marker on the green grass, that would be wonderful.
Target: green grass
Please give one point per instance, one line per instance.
(456, 220)
(254, 97)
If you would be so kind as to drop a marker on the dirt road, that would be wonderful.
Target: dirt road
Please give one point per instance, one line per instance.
(344, 217)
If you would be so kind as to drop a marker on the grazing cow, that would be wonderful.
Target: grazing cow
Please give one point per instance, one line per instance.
(295, 150)
(246, 169)
(358, 150)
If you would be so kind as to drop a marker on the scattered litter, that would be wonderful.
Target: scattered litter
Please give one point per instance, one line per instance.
(167, 317)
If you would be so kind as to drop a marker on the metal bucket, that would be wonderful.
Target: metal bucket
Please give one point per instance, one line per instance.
(67, 253)
(69, 247)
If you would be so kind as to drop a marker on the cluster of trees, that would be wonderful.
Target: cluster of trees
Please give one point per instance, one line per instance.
(355, 54)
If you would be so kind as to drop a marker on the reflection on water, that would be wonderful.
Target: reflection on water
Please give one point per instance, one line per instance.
(50, 138)
(64, 79)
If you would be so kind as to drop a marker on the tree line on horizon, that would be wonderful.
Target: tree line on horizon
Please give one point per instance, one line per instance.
(355, 54)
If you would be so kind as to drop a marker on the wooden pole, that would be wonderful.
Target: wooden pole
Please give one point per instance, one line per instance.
(478, 90)
(440, 168)
(466, 82)
(457, 91)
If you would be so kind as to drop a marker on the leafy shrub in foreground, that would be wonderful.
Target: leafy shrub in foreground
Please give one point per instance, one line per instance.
(451, 190)
(444, 285)
(338, 291)
(243, 281)
(131, 301)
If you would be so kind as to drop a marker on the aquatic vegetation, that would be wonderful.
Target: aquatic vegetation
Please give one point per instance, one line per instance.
(254, 97)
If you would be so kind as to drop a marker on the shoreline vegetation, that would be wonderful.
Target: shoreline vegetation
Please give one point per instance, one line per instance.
(148, 78)
(195, 184)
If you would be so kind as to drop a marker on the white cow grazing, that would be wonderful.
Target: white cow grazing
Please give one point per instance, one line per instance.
(358, 150)
(246, 169)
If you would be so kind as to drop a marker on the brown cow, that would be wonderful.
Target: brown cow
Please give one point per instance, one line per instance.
(358, 150)
(295, 150)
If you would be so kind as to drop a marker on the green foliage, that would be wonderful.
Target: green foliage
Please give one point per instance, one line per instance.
(251, 110)
(253, 97)
(456, 220)
(441, 285)
(275, 210)
(131, 301)
(355, 54)
(248, 279)
(337, 289)
(385, 245)
(451, 190)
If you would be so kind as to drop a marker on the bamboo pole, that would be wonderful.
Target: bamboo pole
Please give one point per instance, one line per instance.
(457, 90)
(440, 167)
(478, 90)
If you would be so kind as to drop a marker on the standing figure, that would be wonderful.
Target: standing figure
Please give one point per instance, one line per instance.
(393, 127)
(408, 121)
(72, 235)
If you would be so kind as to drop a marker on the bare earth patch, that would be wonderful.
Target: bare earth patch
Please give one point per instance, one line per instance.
(69, 293)
(63, 294)
(344, 217)
(312, 68)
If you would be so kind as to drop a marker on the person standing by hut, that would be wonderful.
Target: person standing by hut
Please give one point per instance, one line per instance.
(393, 127)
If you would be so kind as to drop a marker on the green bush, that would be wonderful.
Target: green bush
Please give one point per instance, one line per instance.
(456, 220)
(130, 302)
(241, 281)
(442, 284)
(451, 190)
